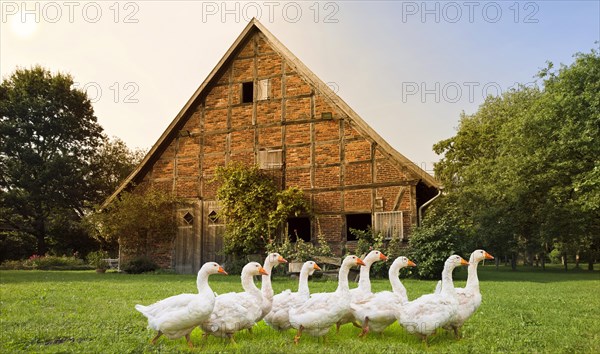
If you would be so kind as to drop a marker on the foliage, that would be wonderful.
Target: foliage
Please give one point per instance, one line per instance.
(254, 207)
(49, 134)
(47, 262)
(301, 251)
(524, 167)
(97, 259)
(441, 235)
(139, 265)
(394, 248)
(111, 164)
(138, 220)
(518, 315)
(16, 245)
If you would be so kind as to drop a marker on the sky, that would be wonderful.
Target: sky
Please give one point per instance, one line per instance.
(408, 68)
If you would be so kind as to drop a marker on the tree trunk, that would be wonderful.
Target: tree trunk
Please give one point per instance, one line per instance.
(564, 261)
(543, 261)
(590, 263)
(497, 261)
(40, 233)
(513, 262)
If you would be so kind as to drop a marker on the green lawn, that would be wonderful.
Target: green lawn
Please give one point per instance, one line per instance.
(81, 311)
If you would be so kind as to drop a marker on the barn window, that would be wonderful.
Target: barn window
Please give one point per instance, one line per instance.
(390, 224)
(213, 217)
(188, 218)
(270, 159)
(356, 221)
(247, 92)
(263, 90)
(299, 228)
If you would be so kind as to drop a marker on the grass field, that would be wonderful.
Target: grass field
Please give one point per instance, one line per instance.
(81, 311)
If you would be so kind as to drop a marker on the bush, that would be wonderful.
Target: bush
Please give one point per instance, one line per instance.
(234, 266)
(139, 265)
(53, 263)
(97, 259)
(441, 235)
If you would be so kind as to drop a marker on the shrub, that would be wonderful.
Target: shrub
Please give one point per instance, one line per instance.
(441, 235)
(97, 259)
(139, 265)
(49, 262)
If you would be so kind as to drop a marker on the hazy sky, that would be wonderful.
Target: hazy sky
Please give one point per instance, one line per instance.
(408, 68)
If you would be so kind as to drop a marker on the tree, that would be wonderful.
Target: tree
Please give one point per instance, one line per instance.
(48, 135)
(444, 232)
(142, 222)
(526, 163)
(253, 207)
(111, 164)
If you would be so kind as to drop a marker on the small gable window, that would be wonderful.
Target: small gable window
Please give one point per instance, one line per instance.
(247, 92)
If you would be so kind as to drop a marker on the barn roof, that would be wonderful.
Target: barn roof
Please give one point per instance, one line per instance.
(253, 26)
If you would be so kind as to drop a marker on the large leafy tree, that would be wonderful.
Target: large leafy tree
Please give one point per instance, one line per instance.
(526, 163)
(48, 136)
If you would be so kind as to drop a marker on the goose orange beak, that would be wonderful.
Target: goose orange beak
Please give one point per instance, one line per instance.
(222, 271)
(463, 262)
(411, 263)
(488, 256)
(281, 260)
(262, 271)
(359, 262)
(316, 267)
(382, 257)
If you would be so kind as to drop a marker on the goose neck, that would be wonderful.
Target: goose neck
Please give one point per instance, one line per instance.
(472, 279)
(249, 286)
(364, 282)
(343, 279)
(303, 282)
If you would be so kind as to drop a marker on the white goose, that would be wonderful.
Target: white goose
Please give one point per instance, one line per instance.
(176, 316)
(271, 261)
(363, 291)
(429, 312)
(469, 297)
(234, 312)
(377, 312)
(279, 317)
(323, 310)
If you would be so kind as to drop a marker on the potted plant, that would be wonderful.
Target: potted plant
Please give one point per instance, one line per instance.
(97, 259)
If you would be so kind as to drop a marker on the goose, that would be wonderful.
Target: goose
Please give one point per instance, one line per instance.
(279, 317)
(323, 310)
(469, 297)
(176, 316)
(429, 312)
(363, 291)
(234, 312)
(271, 261)
(377, 312)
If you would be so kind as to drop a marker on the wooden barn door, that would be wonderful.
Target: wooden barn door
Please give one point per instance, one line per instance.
(188, 241)
(214, 229)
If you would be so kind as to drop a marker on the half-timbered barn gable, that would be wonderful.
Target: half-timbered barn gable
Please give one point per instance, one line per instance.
(261, 105)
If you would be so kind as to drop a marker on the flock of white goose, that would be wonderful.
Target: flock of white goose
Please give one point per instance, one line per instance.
(315, 314)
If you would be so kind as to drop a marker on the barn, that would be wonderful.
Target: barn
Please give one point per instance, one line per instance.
(261, 105)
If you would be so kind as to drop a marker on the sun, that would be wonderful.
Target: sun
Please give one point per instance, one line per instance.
(23, 29)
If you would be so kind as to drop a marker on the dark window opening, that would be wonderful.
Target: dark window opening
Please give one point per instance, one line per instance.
(247, 92)
(188, 218)
(213, 217)
(356, 221)
(299, 228)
